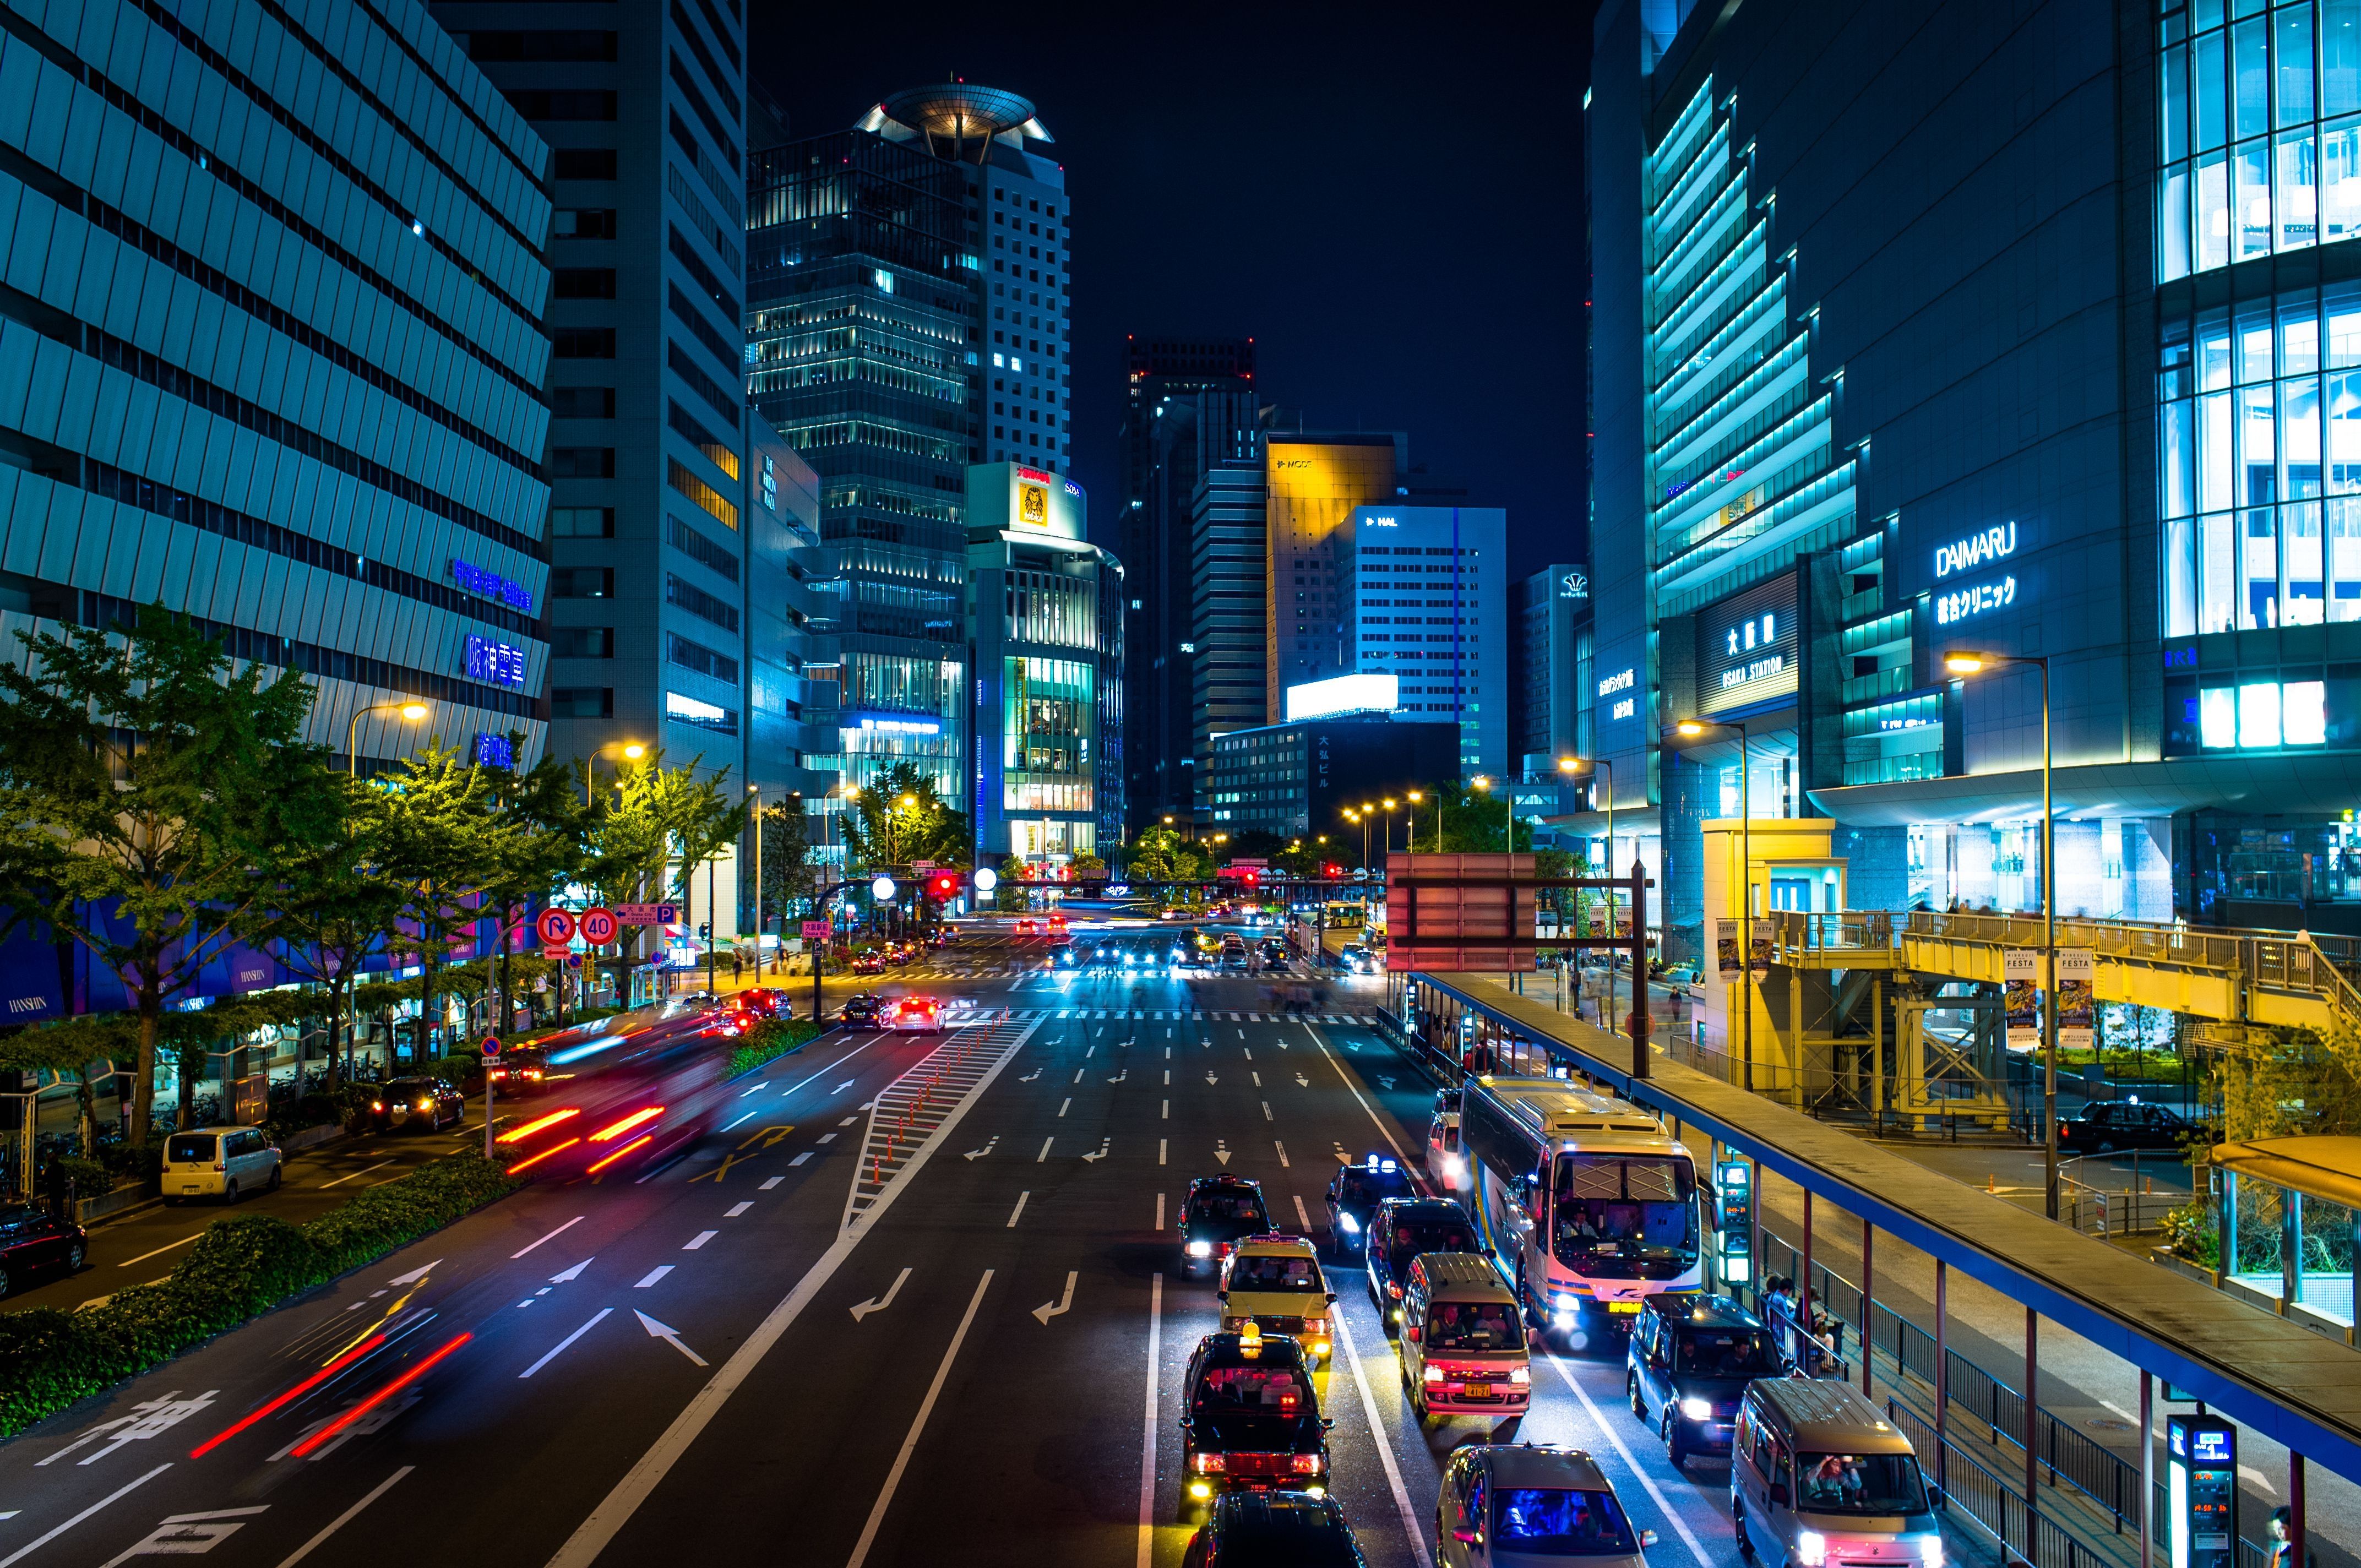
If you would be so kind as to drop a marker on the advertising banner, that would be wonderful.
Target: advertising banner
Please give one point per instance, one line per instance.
(1758, 959)
(2020, 970)
(1725, 949)
(2077, 1006)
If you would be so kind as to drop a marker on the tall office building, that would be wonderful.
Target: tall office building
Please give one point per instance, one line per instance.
(645, 113)
(1550, 617)
(273, 360)
(907, 316)
(1190, 404)
(1225, 650)
(1424, 592)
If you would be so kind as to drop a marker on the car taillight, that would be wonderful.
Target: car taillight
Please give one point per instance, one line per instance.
(1393, 1290)
(1211, 1464)
(219, 1166)
(1305, 1464)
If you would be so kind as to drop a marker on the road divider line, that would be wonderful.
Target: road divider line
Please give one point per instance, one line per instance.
(1045, 1149)
(161, 1250)
(522, 1251)
(839, 1061)
(1149, 1430)
(341, 1519)
(557, 1350)
(1385, 1445)
(917, 1426)
(1599, 1418)
(119, 1493)
(1347, 1080)
(770, 1182)
(325, 1185)
(696, 1242)
(1013, 1213)
(1161, 1144)
(1062, 1104)
(592, 1537)
(798, 1160)
(738, 1209)
(1159, 1211)
(1284, 1163)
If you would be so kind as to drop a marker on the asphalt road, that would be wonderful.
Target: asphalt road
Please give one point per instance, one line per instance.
(709, 1361)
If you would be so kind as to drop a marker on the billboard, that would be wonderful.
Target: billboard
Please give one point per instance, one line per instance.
(1749, 647)
(1343, 694)
(1015, 498)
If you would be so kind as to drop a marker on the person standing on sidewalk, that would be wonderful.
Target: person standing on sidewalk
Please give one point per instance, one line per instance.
(58, 1182)
(737, 966)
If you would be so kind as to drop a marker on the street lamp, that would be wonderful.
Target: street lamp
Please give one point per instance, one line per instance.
(1389, 804)
(1574, 767)
(411, 709)
(1508, 799)
(1361, 817)
(1697, 729)
(1410, 838)
(1962, 662)
(631, 749)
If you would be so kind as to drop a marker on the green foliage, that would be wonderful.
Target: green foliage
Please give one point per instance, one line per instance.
(241, 1265)
(788, 875)
(1474, 821)
(1009, 898)
(770, 1039)
(2192, 1232)
(901, 818)
(1161, 854)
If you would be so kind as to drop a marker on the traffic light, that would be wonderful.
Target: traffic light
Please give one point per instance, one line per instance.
(1332, 870)
(943, 885)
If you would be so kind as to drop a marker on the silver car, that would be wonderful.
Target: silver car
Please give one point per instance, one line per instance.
(1501, 1507)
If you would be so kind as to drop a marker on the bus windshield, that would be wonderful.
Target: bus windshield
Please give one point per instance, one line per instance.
(1625, 1216)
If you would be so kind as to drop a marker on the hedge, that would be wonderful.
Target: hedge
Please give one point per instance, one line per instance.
(770, 1039)
(238, 1268)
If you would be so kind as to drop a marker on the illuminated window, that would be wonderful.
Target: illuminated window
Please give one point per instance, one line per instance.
(2303, 713)
(2217, 716)
(2258, 716)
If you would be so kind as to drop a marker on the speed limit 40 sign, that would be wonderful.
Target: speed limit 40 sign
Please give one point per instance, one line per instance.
(599, 925)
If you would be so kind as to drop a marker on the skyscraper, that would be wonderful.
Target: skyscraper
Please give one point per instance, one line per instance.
(907, 311)
(1550, 611)
(273, 360)
(1425, 597)
(1226, 588)
(1190, 403)
(647, 454)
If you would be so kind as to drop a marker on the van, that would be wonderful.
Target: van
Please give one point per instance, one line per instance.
(219, 1162)
(1818, 1476)
(1463, 1340)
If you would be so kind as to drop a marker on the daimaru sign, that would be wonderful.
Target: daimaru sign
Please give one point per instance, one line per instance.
(1976, 550)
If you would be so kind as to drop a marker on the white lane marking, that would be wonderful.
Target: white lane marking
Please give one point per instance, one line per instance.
(1045, 1149)
(669, 1334)
(341, 1519)
(119, 1492)
(747, 1117)
(1257, 1079)
(1410, 1526)
(1159, 1211)
(918, 1425)
(738, 1209)
(1356, 1087)
(1168, 1077)
(879, 1303)
(1063, 1104)
(593, 1535)
(847, 1057)
(1019, 1210)
(559, 1349)
(1062, 1305)
(798, 1160)
(698, 1240)
(522, 1251)
(774, 1181)
(1284, 1163)
(159, 1251)
(1161, 1144)
(1303, 1214)
(1148, 1427)
(826, 1138)
(338, 1182)
(1266, 1111)
(1078, 1075)
(652, 1275)
(1615, 1436)
(1167, 1110)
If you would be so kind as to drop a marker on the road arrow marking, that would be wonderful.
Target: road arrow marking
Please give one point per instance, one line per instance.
(1383, 1083)
(1065, 1303)
(1302, 1081)
(979, 1153)
(414, 1276)
(1118, 1077)
(570, 1274)
(1030, 1076)
(845, 1085)
(1222, 1150)
(669, 1335)
(1105, 1144)
(879, 1303)
(1210, 1079)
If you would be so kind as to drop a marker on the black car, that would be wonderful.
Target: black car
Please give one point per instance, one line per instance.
(33, 1242)
(1304, 1529)
(2127, 1124)
(861, 1008)
(1249, 1419)
(1690, 1360)
(764, 1002)
(1353, 1196)
(518, 1069)
(427, 1102)
(1217, 1211)
(1401, 1229)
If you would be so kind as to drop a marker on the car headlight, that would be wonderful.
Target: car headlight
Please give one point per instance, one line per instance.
(1930, 1551)
(1811, 1548)
(1200, 1249)
(1349, 1225)
(1520, 1377)
(1434, 1374)
(1696, 1409)
(1564, 1302)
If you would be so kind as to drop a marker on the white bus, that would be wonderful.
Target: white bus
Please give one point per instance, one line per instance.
(1585, 1201)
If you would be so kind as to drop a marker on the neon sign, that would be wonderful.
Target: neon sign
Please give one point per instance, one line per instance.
(1622, 680)
(1976, 550)
(490, 586)
(1961, 603)
(502, 664)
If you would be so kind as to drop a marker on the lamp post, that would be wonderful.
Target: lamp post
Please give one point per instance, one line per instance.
(1362, 817)
(1576, 767)
(1389, 803)
(1962, 662)
(755, 790)
(1410, 828)
(411, 709)
(631, 749)
(1696, 729)
(1508, 800)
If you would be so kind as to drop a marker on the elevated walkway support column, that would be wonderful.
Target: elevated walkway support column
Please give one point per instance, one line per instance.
(1868, 1305)
(2032, 1416)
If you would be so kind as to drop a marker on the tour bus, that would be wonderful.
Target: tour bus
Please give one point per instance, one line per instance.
(1585, 1201)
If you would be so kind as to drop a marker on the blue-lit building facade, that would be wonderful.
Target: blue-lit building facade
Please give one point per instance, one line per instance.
(1891, 360)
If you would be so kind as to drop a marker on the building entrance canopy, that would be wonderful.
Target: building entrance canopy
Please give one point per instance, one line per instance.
(2278, 785)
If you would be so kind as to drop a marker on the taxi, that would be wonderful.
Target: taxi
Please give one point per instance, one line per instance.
(1273, 1282)
(1250, 1419)
(1217, 1212)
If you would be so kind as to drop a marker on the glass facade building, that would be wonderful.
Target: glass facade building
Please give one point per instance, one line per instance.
(270, 359)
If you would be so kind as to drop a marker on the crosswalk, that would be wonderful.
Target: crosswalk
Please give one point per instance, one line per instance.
(1139, 1015)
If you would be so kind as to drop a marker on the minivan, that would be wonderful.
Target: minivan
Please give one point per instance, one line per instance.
(219, 1162)
(1463, 1340)
(1690, 1358)
(1817, 1475)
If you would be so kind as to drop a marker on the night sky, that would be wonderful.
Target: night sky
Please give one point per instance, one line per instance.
(1388, 202)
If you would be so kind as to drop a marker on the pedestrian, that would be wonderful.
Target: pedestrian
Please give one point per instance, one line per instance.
(2283, 1533)
(58, 1181)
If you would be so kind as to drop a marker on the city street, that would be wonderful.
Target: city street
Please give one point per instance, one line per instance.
(704, 1357)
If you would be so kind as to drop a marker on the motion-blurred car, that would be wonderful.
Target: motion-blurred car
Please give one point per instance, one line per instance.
(1354, 1195)
(1250, 1418)
(1029, 927)
(690, 1002)
(1218, 1211)
(2110, 1125)
(1306, 1529)
(860, 1009)
(1689, 1361)
(912, 1014)
(1070, 956)
(765, 1002)
(1500, 1505)
(518, 1069)
(1359, 960)
(33, 1241)
(869, 963)
(427, 1102)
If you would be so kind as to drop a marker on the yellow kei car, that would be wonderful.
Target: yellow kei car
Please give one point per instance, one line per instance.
(1274, 1282)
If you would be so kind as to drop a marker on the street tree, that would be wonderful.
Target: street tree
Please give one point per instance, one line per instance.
(788, 874)
(901, 818)
(149, 789)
